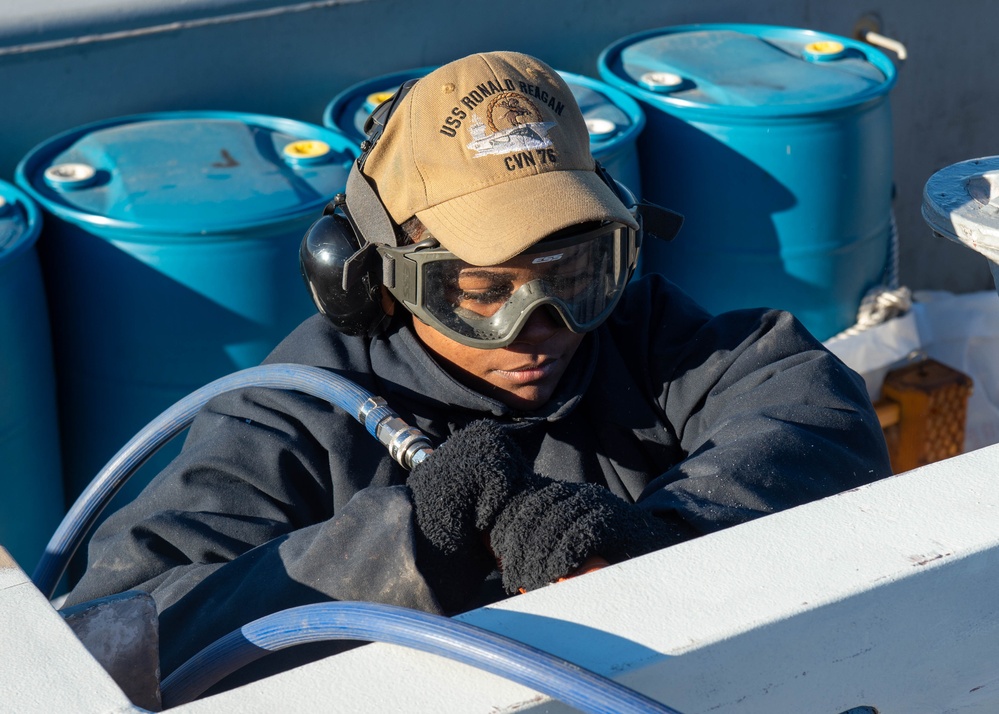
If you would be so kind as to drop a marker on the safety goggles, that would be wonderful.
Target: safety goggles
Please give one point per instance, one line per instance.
(580, 276)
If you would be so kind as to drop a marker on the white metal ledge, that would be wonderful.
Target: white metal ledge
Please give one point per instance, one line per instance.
(884, 596)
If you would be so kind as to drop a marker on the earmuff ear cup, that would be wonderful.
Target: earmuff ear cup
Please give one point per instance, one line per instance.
(335, 245)
(326, 247)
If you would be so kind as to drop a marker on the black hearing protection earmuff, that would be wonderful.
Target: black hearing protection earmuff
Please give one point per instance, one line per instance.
(343, 280)
(339, 264)
(339, 261)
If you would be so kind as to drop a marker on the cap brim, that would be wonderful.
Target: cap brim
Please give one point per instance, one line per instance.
(491, 225)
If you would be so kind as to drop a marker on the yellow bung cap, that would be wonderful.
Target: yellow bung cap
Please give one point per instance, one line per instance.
(825, 47)
(824, 50)
(307, 149)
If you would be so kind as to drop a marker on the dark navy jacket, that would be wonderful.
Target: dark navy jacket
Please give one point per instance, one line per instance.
(278, 499)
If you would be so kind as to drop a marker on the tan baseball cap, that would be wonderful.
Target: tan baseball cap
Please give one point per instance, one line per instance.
(492, 154)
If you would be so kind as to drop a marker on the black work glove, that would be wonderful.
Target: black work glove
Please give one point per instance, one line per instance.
(549, 531)
(458, 492)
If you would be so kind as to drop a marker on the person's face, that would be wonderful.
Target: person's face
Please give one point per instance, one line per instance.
(523, 375)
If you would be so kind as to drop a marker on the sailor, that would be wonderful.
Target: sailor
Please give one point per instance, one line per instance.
(584, 416)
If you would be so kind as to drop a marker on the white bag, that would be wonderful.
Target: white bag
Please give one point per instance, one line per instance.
(961, 331)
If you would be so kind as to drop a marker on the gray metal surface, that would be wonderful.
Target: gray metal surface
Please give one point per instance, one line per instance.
(961, 202)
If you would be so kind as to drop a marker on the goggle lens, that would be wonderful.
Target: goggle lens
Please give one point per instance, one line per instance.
(581, 277)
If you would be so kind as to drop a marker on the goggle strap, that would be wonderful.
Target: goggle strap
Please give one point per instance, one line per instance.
(388, 270)
(374, 125)
(661, 222)
(367, 213)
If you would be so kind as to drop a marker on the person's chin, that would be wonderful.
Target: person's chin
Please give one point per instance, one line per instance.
(526, 400)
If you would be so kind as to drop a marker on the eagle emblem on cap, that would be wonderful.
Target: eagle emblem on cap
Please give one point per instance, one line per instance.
(512, 123)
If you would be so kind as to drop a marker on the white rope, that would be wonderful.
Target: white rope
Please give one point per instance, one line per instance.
(879, 305)
(886, 301)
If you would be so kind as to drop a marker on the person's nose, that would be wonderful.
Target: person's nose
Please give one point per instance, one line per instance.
(541, 325)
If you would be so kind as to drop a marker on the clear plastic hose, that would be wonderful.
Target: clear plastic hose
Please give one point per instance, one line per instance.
(553, 676)
(406, 445)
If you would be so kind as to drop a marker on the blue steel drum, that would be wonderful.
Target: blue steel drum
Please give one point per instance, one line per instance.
(171, 258)
(614, 121)
(613, 118)
(349, 109)
(776, 145)
(31, 496)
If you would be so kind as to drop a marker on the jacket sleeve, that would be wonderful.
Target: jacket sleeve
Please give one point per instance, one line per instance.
(247, 521)
(766, 419)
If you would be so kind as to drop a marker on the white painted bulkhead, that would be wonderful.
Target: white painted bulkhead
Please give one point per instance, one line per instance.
(884, 596)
